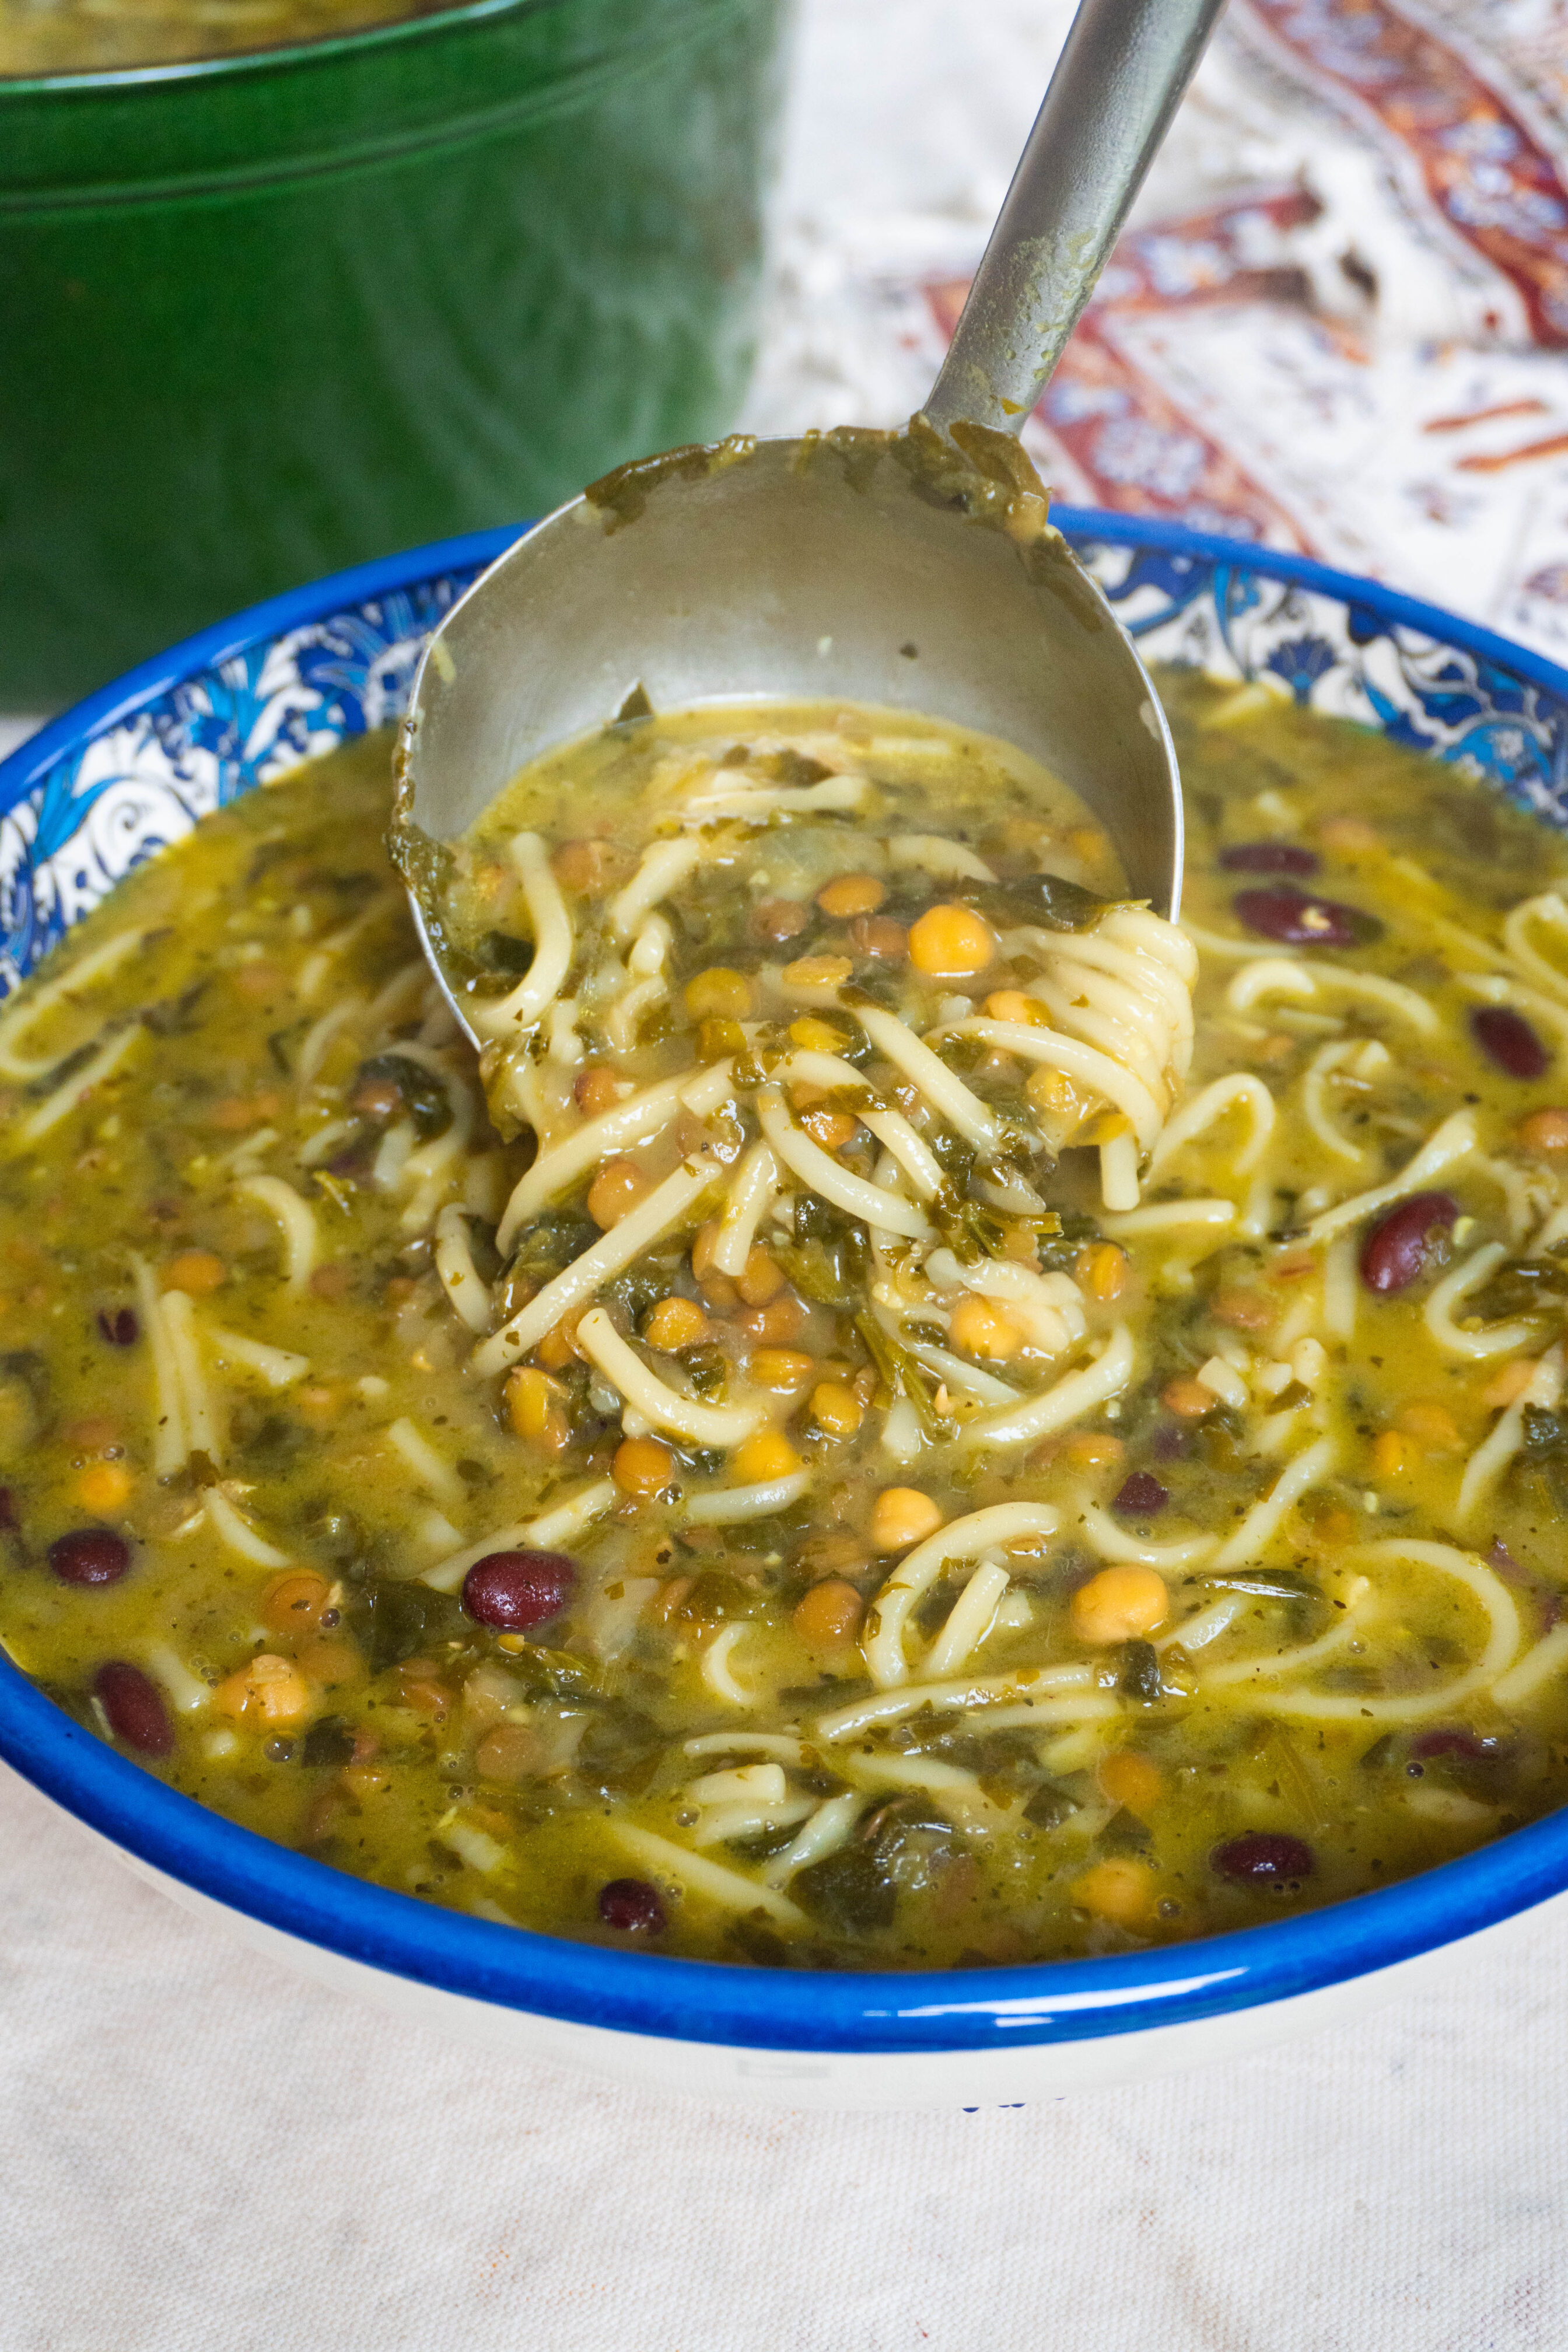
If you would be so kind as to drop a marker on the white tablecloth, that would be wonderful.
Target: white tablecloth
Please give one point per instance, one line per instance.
(198, 2151)
(204, 2153)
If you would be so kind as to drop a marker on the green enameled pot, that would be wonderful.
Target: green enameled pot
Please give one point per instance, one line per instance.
(263, 316)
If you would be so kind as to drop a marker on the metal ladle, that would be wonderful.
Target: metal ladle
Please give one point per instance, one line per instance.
(914, 570)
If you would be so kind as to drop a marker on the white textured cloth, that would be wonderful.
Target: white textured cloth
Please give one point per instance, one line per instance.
(202, 2153)
(1338, 324)
(205, 2153)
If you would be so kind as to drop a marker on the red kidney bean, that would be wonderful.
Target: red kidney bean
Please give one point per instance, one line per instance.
(1142, 1495)
(1263, 1856)
(1506, 1038)
(90, 1556)
(1295, 920)
(632, 1905)
(1267, 858)
(1449, 1740)
(513, 1590)
(134, 1705)
(118, 1325)
(1397, 1248)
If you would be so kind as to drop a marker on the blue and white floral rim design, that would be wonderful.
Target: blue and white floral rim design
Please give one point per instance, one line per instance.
(137, 764)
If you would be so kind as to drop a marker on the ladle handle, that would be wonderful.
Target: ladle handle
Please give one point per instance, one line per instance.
(1118, 81)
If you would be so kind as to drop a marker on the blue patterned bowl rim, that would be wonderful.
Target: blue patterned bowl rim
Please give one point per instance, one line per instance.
(1169, 570)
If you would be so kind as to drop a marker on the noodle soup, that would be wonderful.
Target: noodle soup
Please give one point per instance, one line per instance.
(80, 37)
(899, 1415)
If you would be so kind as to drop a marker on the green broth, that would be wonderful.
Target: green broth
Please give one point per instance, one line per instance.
(273, 1026)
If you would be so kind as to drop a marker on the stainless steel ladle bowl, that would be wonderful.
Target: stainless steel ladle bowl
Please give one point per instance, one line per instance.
(915, 569)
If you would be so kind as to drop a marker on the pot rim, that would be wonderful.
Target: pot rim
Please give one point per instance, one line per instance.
(243, 64)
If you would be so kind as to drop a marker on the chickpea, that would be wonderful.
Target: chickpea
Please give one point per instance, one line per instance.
(719, 994)
(294, 1600)
(851, 894)
(760, 1281)
(1092, 1449)
(902, 1515)
(537, 1408)
(979, 1328)
(951, 942)
(767, 1454)
(1391, 1454)
(328, 1664)
(1102, 1270)
(614, 1191)
(817, 1036)
(1333, 1529)
(1011, 1004)
(825, 972)
(643, 1467)
(1432, 1427)
(105, 1486)
(269, 1690)
(676, 1323)
(1544, 1130)
(777, 1323)
(596, 1089)
(195, 1271)
(1131, 1780)
(1052, 1092)
(831, 1128)
(829, 1615)
(782, 1370)
(836, 1410)
(559, 1346)
(1187, 1399)
(1118, 1889)
(1119, 1604)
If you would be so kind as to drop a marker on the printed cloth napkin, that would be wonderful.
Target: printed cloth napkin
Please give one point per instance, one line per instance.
(1339, 321)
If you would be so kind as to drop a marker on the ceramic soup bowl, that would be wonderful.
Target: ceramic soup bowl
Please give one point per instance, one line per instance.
(138, 764)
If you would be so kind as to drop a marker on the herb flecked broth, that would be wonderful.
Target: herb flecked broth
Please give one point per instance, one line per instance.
(71, 37)
(258, 1387)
